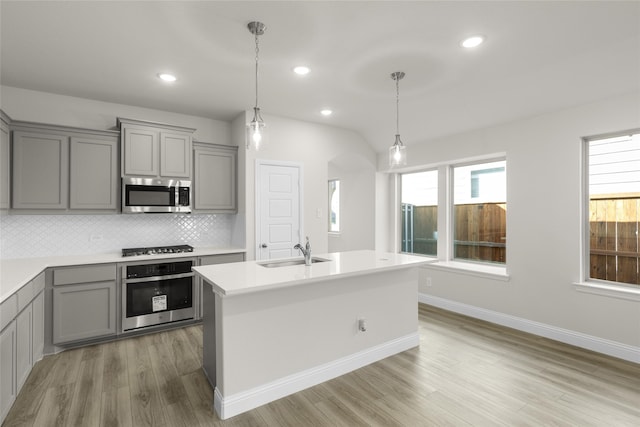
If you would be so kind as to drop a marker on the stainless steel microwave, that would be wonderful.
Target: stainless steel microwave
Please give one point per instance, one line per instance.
(155, 195)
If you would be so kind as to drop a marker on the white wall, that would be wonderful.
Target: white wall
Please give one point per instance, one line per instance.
(543, 222)
(314, 146)
(43, 107)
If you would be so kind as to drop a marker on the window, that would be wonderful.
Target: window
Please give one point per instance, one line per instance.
(613, 183)
(480, 212)
(419, 200)
(334, 206)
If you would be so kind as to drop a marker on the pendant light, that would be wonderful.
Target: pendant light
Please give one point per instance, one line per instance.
(397, 152)
(256, 128)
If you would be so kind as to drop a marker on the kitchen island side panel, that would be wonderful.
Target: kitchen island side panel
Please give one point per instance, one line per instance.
(266, 336)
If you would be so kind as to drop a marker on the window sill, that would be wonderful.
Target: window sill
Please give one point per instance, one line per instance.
(471, 269)
(609, 290)
(334, 233)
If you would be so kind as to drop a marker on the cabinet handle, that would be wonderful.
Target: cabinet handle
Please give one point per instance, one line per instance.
(263, 245)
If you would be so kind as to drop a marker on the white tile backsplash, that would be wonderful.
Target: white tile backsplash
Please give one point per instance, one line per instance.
(23, 236)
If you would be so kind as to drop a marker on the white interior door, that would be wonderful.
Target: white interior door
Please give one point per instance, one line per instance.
(278, 210)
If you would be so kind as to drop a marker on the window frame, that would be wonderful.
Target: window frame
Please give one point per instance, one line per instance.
(451, 210)
(400, 215)
(587, 283)
(444, 260)
(329, 198)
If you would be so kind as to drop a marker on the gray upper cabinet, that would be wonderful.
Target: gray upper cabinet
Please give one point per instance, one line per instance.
(40, 170)
(59, 168)
(215, 178)
(5, 160)
(175, 155)
(155, 149)
(140, 152)
(94, 174)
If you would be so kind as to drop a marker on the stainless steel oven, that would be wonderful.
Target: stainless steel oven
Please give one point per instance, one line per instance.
(154, 294)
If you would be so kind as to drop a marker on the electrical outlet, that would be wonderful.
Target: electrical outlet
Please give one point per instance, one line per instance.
(429, 281)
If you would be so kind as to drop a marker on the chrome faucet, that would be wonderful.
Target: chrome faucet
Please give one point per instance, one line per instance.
(306, 251)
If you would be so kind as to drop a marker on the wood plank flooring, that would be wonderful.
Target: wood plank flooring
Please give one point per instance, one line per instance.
(465, 372)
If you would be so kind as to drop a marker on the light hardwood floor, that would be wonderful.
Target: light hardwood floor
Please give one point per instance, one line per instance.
(465, 372)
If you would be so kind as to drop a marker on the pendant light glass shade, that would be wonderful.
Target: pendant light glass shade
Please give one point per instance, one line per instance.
(397, 152)
(256, 136)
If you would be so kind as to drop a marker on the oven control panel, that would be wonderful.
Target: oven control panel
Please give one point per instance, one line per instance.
(161, 269)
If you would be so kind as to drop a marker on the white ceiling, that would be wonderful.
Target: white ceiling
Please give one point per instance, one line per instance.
(539, 56)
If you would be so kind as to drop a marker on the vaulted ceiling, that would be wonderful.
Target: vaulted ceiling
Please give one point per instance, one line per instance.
(538, 56)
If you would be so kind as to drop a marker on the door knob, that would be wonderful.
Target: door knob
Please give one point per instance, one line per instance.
(263, 245)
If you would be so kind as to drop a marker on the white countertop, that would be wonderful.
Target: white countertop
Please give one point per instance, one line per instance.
(15, 273)
(246, 277)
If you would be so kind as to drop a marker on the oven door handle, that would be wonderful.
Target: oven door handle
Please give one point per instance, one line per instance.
(159, 278)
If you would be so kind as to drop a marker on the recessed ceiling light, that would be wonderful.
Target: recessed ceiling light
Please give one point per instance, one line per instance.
(326, 112)
(167, 77)
(470, 42)
(301, 70)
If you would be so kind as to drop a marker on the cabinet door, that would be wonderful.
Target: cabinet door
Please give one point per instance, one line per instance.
(84, 311)
(175, 155)
(94, 174)
(40, 171)
(38, 328)
(7, 369)
(140, 152)
(5, 154)
(24, 351)
(215, 188)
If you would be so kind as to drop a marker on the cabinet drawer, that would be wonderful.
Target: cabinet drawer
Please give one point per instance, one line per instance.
(25, 295)
(8, 310)
(221, 259)
(28, 292)
(38, 284)
(93, 273)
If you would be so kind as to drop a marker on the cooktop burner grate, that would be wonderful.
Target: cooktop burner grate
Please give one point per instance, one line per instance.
(158, 250)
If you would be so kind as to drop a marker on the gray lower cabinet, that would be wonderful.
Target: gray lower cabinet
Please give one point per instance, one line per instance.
(38, 327)
(24, 351)
(5, 159)
(8, 390)
(215, 178)
(21, 339)
(84, 303)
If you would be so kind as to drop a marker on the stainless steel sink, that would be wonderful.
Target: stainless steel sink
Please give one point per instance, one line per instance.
(289, 262)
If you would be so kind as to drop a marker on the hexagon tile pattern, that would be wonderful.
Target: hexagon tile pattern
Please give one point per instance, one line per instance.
(23, 236)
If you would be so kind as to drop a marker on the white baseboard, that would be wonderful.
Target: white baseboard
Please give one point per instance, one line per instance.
(600, 345)
(228, 406)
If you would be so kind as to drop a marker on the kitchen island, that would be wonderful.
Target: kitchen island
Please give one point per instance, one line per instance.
(270, 331)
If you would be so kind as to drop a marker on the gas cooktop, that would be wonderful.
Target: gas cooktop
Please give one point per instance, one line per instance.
(158, 250)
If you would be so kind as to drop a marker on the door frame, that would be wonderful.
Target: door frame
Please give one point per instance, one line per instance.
(256, 214)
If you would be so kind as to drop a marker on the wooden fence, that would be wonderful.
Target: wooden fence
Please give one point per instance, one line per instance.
(480, 234)
(480, 231)
(614, 240)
